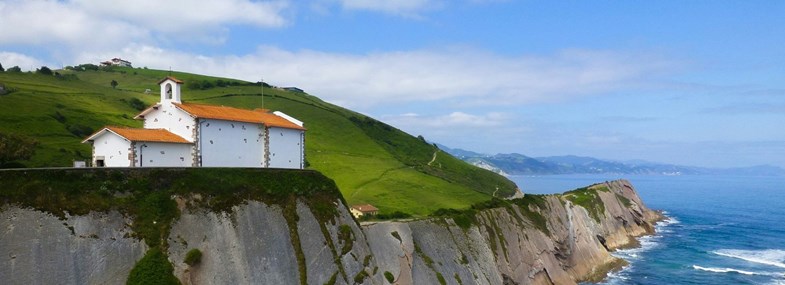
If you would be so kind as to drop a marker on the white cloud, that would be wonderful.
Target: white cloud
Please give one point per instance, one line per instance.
(456, 77)
(183, 15)
(461, 129)
(10, 59)
(396, 7)
(454, 119)
(104, 24)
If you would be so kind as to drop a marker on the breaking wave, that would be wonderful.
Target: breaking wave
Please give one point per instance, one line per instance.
(728, 270)
(772, 257)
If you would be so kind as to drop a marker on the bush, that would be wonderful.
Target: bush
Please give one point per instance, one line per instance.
(136, 104)
(86, 66)
(360, 277)
(193, 257)
(389, 276)
(13, 147)
(346, 236)
(44, 70)
(14, 69)
(153, 268)
(393, 215)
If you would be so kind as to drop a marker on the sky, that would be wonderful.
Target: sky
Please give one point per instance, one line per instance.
(697, 83)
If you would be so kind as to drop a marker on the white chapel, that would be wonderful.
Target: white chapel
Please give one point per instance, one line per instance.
(177, 134)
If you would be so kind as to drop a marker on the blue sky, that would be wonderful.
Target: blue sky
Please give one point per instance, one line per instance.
(688, 82)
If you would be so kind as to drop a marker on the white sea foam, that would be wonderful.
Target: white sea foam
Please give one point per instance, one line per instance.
(739, 271)
(633, 254)
(773, 257)
(726, 270)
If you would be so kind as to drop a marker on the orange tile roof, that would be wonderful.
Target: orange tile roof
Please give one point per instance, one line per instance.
(258, 116)
(144, 135)
(178, 81)
(365, 208)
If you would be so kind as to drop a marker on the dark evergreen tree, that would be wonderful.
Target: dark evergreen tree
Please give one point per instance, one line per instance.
(44, 70)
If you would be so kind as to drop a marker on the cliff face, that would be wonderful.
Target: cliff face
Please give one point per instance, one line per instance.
(503, 246)
(552, 240)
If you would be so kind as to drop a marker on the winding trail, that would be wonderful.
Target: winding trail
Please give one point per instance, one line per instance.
(433, 158)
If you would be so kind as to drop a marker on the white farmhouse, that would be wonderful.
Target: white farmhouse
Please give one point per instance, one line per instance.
(177, 134)
(116, 62)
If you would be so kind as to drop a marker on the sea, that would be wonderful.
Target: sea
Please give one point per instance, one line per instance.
(719, 229)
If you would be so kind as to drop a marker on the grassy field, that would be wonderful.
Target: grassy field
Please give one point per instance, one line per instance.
(370, 161)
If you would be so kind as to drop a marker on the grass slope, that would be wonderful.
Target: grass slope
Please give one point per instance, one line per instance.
(370, 161)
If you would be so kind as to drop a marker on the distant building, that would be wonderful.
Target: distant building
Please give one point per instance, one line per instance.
(177, 134)
(116, 62)
(293, 89)
(364, 209)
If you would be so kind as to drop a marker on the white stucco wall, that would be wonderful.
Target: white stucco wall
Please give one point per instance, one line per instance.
(170, 118)
(113, 148)
(156, 154)
(231, 144)
(286, 148)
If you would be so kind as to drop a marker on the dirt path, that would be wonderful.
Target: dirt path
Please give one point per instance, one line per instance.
(433, 158)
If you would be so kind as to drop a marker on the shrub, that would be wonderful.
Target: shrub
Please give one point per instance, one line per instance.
(14, 69)
(193, 257)
(86, 66)
(13, 147)
(153, 268)
(136, 104)
(393, 215)
(396, 236)
(113, 83)
(389, 276)
(360, 277)
(346, 236)
(44, 70)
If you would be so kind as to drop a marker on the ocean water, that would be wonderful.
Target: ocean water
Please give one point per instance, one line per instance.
(720, 229)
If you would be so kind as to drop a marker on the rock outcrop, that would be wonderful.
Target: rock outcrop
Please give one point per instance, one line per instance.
(553, 239)
(503, 246)
(39, 248)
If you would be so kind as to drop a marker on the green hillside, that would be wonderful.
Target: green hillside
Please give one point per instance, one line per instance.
(371, 162)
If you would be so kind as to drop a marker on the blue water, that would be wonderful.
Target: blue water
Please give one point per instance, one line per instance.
(721, 229)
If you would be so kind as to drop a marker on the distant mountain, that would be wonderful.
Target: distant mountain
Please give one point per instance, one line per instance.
(519, 164)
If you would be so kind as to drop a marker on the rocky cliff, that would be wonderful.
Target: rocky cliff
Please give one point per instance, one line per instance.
(548, 240)
(289, 227)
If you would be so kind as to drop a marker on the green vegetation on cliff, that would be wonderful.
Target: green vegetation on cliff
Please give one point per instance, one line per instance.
(147, 196)
(371, 162)
(588, 198)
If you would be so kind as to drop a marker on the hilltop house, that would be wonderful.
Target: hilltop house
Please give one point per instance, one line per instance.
(362, 210)
(116, 62)
(177, 134)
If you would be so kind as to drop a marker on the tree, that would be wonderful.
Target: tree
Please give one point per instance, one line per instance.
(1, 67)
(114, 84)
(44, 70)
(13, 147)
(14, 69)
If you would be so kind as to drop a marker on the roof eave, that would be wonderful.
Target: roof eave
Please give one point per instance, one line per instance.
(150, 109)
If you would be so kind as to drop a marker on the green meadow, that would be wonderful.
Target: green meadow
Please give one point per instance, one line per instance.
(371, 162)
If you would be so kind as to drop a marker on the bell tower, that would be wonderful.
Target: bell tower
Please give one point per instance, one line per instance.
(170, 90)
